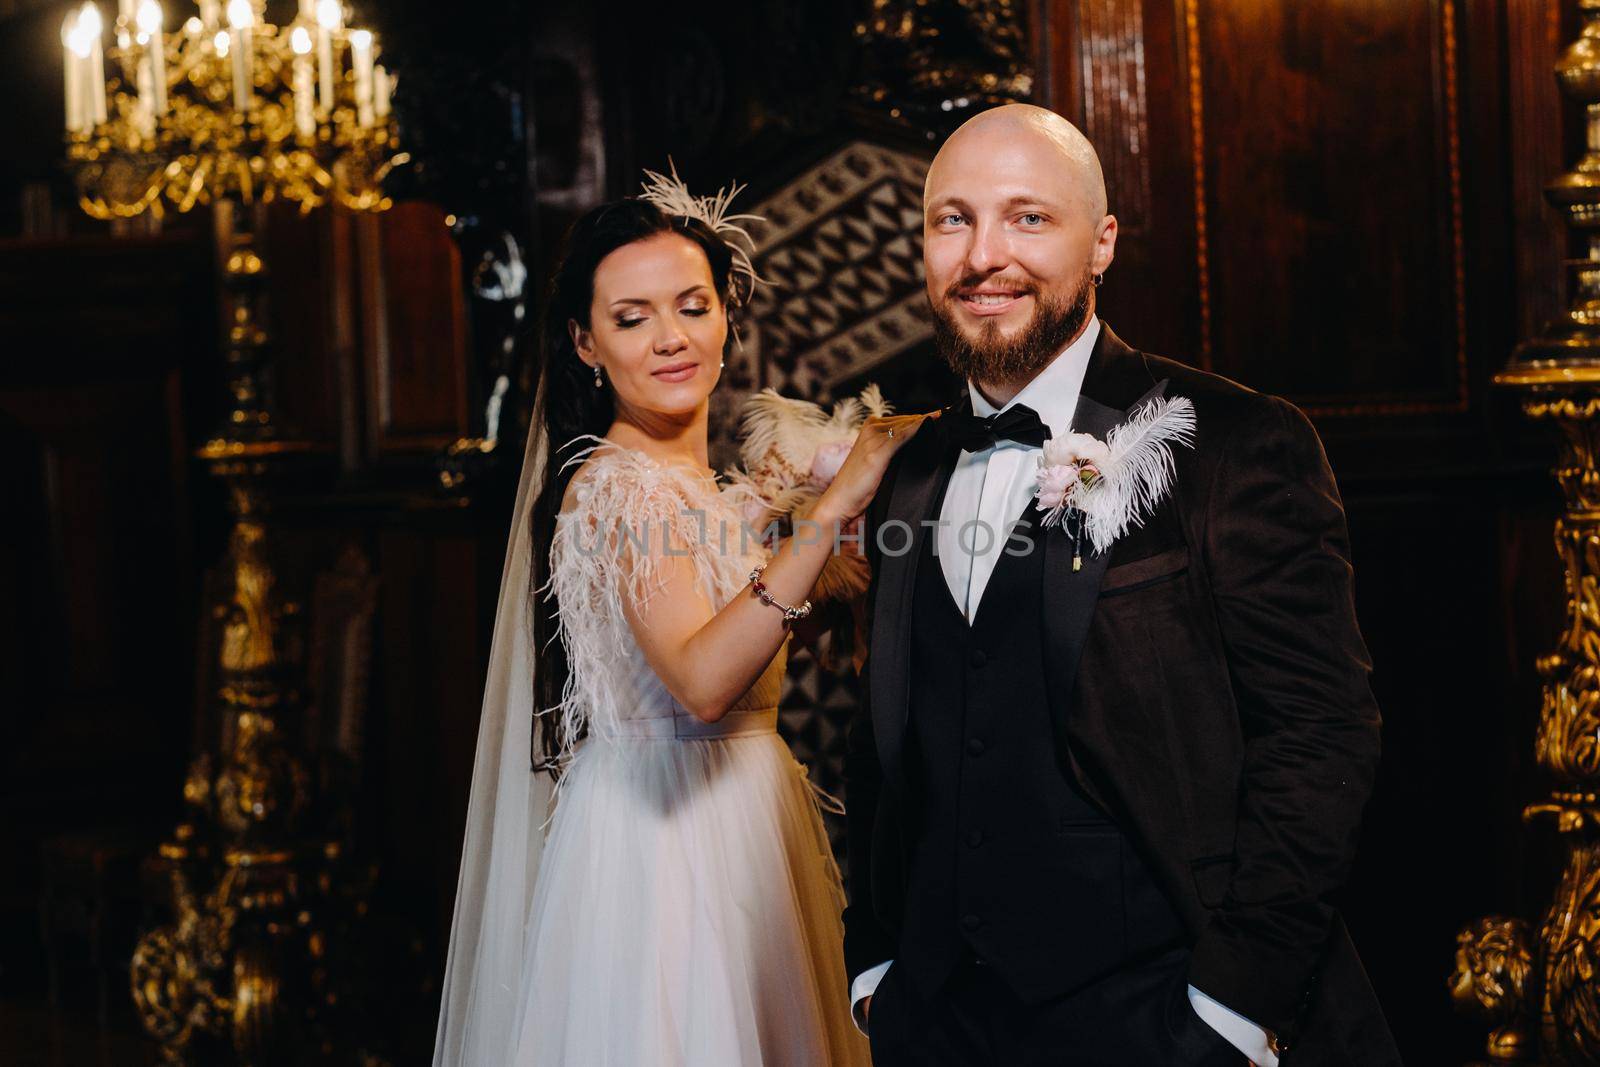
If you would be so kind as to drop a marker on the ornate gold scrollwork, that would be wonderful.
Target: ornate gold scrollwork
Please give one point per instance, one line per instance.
(1570, 945)
(1558, 980)
(175, 968)
(1493, 976)
(1558, 377)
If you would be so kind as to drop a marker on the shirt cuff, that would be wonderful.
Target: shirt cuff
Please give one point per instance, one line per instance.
(1238, 1031)
(864, 986)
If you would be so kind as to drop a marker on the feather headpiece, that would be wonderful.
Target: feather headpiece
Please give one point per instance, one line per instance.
(668, 193)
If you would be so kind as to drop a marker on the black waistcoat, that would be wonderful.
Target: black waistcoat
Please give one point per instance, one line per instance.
(1008, 856)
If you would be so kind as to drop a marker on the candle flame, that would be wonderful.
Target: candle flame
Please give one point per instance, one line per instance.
(220, 43)
(330, 14)
(149, 17)
(89, 23)
(300, 41)
(361, 40)
(240, 14)
(193, 26)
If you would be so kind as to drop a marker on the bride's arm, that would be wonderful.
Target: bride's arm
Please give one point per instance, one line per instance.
(709, 659)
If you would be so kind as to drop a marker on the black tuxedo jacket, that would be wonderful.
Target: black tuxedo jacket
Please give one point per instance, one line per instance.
(1209, 692)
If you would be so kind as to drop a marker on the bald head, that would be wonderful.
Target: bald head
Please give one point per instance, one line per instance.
(1022, 135)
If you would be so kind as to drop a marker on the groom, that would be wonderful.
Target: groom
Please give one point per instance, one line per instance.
(1098, 801)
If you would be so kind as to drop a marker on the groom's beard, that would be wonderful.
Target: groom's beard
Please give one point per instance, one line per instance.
(992, 358)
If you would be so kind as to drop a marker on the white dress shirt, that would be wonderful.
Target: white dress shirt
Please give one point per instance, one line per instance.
(986, 493)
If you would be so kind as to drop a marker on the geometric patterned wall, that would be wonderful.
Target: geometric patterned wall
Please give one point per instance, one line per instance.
(842, 245)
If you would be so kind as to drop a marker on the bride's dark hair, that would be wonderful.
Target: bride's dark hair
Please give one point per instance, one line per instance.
(570, 405)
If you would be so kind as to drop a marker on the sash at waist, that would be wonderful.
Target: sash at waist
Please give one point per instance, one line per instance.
(691, 728)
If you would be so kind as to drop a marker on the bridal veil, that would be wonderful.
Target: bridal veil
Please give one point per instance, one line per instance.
(481, 1000)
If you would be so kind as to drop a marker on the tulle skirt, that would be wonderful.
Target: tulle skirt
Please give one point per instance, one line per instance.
(687, 910)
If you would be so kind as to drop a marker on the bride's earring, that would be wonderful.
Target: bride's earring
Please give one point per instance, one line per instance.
(1097, 278)
(597, 381)
(721, 365)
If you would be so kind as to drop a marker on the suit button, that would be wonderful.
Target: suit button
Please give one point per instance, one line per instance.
(978, 659)
(975, 746)
(970, 923)
(974, 838)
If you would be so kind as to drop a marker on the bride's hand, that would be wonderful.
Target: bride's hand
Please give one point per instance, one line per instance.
(853, 488)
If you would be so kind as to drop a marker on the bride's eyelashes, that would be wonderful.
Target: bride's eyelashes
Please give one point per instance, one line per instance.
(629, 323)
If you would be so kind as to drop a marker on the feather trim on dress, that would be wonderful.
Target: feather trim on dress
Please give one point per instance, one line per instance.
(632, 518)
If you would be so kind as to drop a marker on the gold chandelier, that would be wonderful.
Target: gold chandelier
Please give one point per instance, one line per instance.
(229, 105)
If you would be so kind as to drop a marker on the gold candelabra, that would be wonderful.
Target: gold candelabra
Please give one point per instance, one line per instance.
(1539, 987)
(234, 112)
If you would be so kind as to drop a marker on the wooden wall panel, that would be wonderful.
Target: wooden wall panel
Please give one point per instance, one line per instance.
(370, 326)
(1300, 184)
(1333, 200)
(1535, 33)
(415, 329)
(1119, 72)
(303, 308)
(102, 345)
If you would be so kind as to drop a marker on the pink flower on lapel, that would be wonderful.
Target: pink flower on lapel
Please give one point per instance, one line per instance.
(1078, 449)
(1071, 464)
(1056, 484)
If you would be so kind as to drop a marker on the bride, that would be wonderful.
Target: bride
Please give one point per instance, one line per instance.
(645, 878)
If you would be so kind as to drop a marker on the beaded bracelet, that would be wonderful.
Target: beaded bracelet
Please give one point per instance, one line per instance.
(789, 614)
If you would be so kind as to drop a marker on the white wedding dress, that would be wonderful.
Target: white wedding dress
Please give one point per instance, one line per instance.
(687, 905)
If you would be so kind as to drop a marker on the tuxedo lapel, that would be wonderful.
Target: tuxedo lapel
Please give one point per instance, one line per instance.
(925, 468)
(1069, 596)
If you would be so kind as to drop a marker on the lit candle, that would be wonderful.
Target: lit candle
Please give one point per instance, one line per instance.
(125, 20)
(150, 29)
(144, 113)
(92, 28)
(382, 91)
(330, 16)
(77, 54)
(210, 13)
(304, 122)
(219, 44)
(361, 60)
(240, 18)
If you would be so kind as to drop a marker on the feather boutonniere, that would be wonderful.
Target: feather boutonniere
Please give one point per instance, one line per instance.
(1098, 489)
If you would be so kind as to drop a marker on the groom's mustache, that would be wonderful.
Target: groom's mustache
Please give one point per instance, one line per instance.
(993, 283)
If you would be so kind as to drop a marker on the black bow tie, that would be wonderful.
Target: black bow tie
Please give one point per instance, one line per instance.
(1019, 423)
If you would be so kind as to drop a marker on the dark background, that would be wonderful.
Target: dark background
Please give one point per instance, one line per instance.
(1338, 203)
